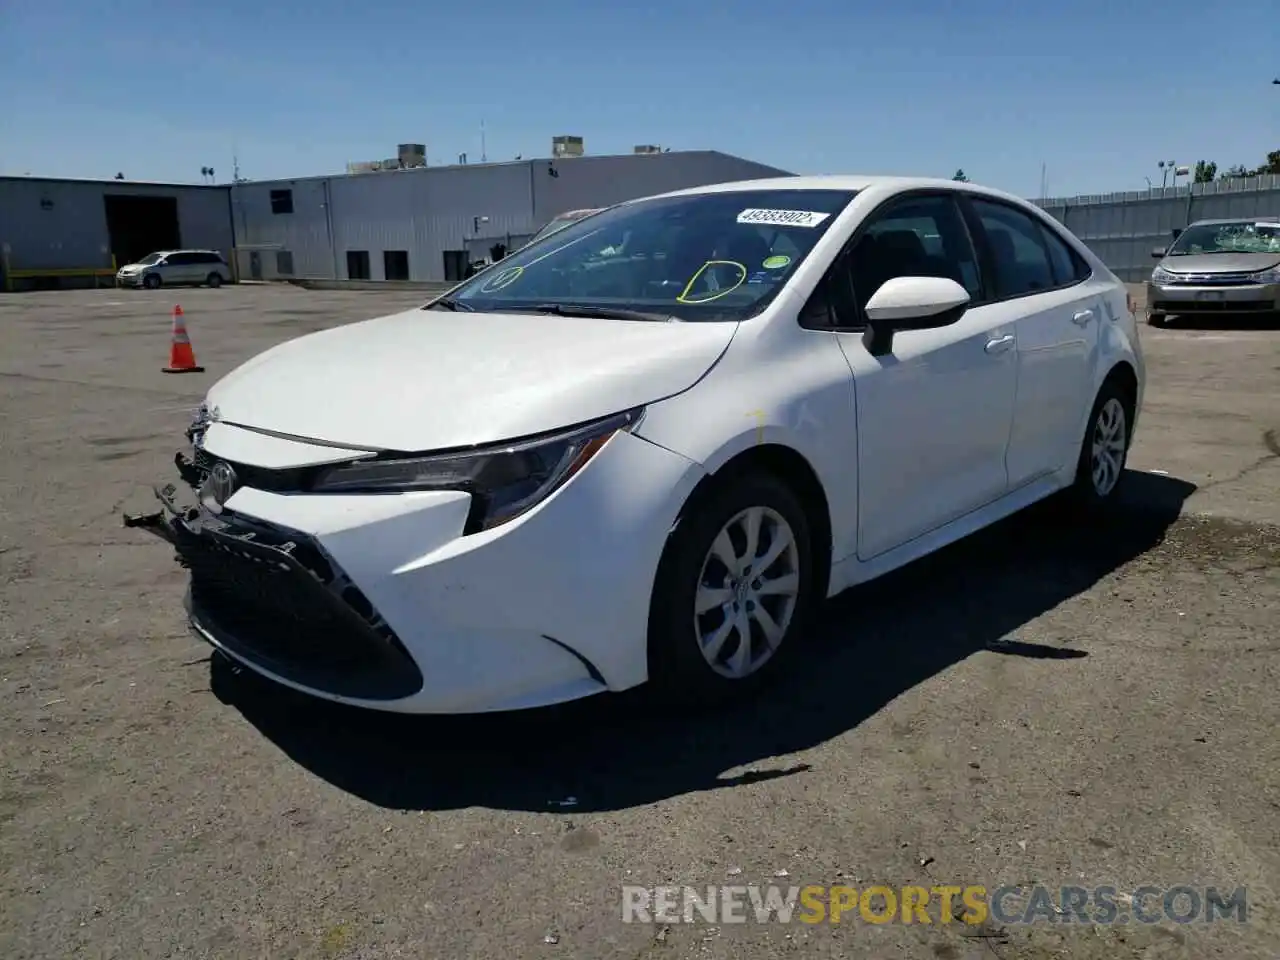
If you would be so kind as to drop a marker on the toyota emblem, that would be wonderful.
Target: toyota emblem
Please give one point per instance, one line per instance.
(219, 486)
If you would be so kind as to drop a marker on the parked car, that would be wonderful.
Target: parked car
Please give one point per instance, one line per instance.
(173, 268)
(1217, 267)
(562, 221)
(644, 449)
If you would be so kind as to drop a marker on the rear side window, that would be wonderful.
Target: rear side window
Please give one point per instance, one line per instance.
(1068, 266)
(1017, 244)
(178, 259)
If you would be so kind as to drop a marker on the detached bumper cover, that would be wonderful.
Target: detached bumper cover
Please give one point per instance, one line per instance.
(272, 598)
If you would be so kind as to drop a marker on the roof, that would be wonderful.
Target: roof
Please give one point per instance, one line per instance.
(104, 182)
(854, 182)
(1266, 220)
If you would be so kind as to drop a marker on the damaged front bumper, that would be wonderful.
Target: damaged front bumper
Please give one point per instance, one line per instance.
(272, 599)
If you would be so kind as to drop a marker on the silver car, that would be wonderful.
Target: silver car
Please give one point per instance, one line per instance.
(1216, 267)
(173, 268)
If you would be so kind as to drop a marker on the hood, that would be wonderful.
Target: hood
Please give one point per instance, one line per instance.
(1220, 262)
(433, 380)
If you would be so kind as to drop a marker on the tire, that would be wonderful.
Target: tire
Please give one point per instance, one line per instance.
(151, 281)
(679, 672)
(1099, 475)
(214, 280)
(1158, 319)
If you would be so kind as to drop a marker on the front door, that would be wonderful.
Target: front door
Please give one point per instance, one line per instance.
(1058, 316)
(933, 415)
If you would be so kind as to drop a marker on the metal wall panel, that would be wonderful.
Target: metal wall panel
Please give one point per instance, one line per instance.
(62, 224)
(304, 233)
(601, 181)
(1124, 228)
(428, 211)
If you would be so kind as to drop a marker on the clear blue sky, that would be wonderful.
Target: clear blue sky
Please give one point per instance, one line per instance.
(1099, 91)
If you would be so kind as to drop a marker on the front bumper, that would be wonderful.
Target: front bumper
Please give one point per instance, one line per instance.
(378, 601)
(128, 279)
(1196, 299)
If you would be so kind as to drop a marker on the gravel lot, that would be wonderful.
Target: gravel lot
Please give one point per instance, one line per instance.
(1046, 703)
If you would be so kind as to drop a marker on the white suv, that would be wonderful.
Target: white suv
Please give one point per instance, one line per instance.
(176, 268)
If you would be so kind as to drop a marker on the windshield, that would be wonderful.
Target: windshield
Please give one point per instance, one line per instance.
(1244, 236)
(709, 256)
(149, 259)
(559, 223)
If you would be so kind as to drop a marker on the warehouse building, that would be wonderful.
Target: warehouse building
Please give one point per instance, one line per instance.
(412, 222)
(428, 223)
(61, 232)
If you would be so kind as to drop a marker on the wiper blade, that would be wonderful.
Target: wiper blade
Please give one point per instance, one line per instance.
(448, 303)
(600, 313)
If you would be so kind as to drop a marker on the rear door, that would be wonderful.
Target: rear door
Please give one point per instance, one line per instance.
(1058, 314)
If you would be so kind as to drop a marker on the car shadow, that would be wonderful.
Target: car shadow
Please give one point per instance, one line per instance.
(619, 751)
(1223, 321)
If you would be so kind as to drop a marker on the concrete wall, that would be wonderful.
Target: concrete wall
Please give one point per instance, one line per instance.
(1122, 228)
(428, 211)
(62, 224)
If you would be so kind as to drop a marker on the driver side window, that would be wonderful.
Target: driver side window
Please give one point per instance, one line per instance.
(916, 237)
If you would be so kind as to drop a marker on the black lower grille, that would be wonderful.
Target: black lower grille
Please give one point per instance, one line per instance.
(274, 598)
(1213, 306)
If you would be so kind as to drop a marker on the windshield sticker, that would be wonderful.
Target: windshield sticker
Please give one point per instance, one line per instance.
(783, 218)
(502, 280)
(760, 277)
(713, 280)
(776, 263)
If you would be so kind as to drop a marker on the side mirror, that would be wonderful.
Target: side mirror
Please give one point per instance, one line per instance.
(912, 303)
(1159, 252)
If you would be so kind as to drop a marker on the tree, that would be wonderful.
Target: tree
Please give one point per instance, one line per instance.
(1272, 166)
(960, 176)
(1205, 171)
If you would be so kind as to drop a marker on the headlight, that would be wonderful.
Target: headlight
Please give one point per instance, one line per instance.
(1271, 275)
(1161, 275)
(504, 481)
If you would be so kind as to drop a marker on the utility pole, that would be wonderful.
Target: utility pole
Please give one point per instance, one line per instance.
(484, 154)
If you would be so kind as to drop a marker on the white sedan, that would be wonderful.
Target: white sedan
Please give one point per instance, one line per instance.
(646, 447)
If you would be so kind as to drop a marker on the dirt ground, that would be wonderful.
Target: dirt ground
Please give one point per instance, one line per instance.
(1047, 703)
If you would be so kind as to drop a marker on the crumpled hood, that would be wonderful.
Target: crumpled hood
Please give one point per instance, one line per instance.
(433, 380)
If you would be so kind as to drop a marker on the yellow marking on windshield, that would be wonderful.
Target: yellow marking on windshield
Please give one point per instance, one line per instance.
(715, 294)
(502, 280)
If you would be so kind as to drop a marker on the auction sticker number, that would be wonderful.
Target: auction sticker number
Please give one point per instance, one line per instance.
(783, 218)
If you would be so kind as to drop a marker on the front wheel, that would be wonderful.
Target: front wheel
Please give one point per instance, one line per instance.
(733, 592)
(151, 281)
(1105, 450)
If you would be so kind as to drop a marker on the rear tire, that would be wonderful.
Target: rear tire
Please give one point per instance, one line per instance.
(214, 280)
(1105, 449)
(151, 281)
(765, 589)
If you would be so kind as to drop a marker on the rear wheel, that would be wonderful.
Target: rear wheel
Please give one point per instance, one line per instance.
(1105, 450)
(733, 592)
(214, 280)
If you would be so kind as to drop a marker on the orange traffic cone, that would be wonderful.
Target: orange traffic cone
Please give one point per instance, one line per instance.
(182, 359)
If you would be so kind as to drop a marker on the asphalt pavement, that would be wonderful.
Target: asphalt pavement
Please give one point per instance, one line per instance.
(1047, 703)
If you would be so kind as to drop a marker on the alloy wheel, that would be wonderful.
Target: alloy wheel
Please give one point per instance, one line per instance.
(1110, 434)
(747, 592)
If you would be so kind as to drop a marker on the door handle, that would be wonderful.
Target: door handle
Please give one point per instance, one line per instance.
(1000, 344)
(1082, 318)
